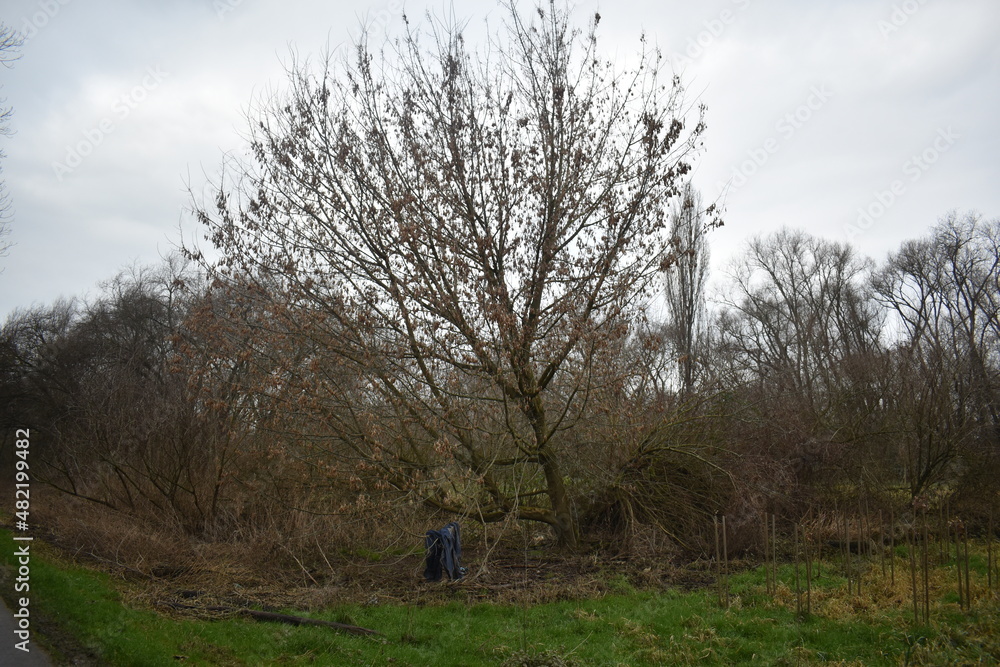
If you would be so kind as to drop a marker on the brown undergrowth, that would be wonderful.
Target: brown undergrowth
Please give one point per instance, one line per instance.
(506, 564)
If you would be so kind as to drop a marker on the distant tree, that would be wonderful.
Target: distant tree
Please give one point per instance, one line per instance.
(684, 284)
(796, 309)
(31, 360)
(944, 294)
(10, 45)
(115, 413)
(469, 233)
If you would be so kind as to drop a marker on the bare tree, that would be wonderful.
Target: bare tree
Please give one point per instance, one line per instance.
(796, 308)
(469, 231)
(30, 352)
(684, 284)
(943, 293)
(114, 418)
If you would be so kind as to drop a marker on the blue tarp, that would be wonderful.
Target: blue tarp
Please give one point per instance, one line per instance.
(444, 553)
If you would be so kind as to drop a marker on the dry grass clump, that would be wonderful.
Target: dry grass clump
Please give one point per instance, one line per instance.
(119, 541)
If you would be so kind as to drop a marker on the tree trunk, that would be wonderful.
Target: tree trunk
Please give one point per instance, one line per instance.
(562, 516)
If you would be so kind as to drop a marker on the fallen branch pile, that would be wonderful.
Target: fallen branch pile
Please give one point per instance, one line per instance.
(272, 617)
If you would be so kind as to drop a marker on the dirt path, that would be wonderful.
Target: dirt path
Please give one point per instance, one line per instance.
(9, 653)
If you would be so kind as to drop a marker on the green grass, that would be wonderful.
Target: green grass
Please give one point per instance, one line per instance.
(627, 628)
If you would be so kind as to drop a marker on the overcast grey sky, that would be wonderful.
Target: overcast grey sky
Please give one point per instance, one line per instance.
(856, 120)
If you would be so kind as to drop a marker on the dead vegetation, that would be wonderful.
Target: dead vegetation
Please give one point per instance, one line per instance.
(506, 565)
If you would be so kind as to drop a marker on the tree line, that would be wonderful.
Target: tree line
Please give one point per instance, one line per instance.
(817, 377)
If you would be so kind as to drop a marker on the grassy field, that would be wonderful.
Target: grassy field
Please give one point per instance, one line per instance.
(83, 612)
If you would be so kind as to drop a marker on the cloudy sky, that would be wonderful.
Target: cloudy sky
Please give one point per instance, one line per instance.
(856, 120)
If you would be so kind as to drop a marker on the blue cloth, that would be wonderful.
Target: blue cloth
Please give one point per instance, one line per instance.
(444, 553)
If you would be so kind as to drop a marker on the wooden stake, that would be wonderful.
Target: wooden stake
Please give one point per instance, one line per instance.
(866, 530)
(958, 567)
(805, 542)
(774, 551)
(892, 546)
(725, 557)
(968, 586)
(881, 540)
(846, 549)
(989, 552)
(767, 559)
(942, 534)
(913, 573)
(798, 592)
(927, 595)
(819, 558)
(855, 572)
(718, 559)
(947, 529)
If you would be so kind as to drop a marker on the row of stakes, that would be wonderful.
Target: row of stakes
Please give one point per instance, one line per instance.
(950, 536)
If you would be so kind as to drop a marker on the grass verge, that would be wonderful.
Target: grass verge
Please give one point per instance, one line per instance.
(84, 612)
